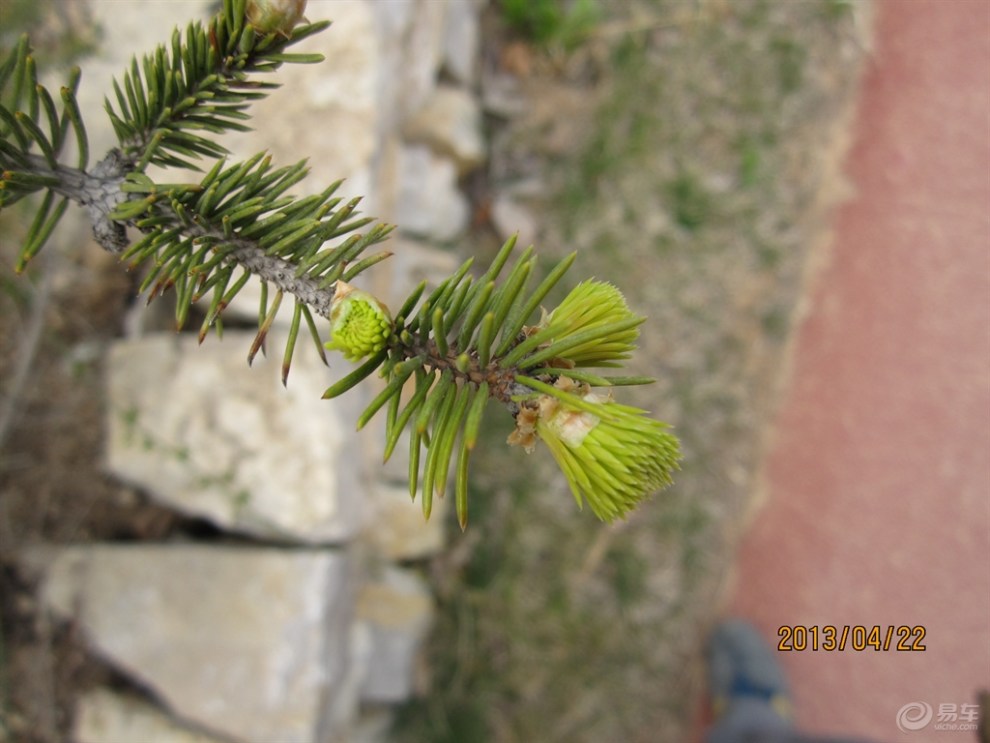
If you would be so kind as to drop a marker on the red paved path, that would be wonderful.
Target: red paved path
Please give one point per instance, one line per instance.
(879, 477)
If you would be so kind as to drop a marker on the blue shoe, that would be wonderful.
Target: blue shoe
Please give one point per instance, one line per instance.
(743, 671)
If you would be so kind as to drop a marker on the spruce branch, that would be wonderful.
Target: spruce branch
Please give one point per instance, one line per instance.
(443, 355)
(203, 81)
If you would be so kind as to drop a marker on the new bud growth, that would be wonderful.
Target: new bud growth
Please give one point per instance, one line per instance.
(360, 325)
(613, 455)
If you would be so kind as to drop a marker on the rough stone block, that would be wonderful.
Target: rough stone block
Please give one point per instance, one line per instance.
(429, 202)
(396, 527)
(208, 435)
(249, 643)
(450, 123)
(105, 717)
(411, 37)
(396, 612)
(328, 112)
(461, 39)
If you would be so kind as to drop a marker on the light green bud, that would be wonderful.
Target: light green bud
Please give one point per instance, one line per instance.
(360, 325)
(590, 305)
(613, 456)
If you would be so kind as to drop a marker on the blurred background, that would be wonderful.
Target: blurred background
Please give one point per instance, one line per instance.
(791, 192)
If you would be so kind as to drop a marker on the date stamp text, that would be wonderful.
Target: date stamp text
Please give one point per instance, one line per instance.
(858, 637)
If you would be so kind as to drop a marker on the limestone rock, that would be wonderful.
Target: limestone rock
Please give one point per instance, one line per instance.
(511, 216)
(208, 435)
(450, 123)
(429, 203)
(411, 38)
(397, 529)
(461, 40)
(327, 112)
(249, 643)
(396, 611)
(105, 717)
